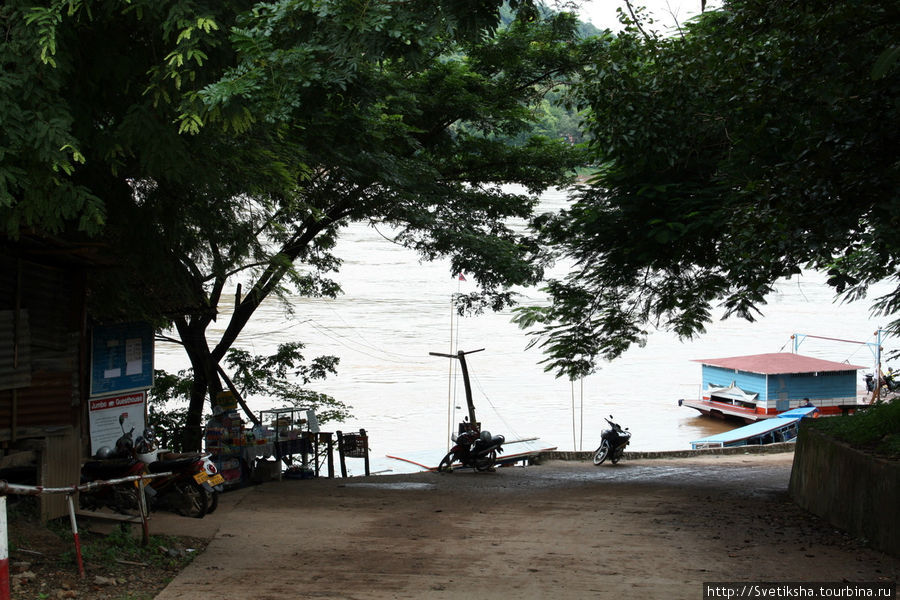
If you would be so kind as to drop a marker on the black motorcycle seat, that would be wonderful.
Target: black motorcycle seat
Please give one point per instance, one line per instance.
(496, 440)
(176, 464)
(107, 469)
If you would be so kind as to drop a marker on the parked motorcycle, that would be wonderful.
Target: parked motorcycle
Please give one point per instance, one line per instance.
(109, 464)
(214, 484)
(890, 381)
(612, 444)
(473, 449)
(121, 498)
(192, 488)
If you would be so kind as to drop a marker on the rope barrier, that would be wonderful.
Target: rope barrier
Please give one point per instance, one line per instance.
(15, 489)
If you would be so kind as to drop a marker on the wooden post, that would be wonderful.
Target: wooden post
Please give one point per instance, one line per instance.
(330, 441)
(467, 386)
(461, 357)
(315, 441)
(340, 443)
(362, 434)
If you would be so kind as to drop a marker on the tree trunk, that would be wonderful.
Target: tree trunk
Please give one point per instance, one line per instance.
(206, 384)
(192, 330)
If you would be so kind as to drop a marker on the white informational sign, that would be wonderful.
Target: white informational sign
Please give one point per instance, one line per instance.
(312, 422)
(112, 416)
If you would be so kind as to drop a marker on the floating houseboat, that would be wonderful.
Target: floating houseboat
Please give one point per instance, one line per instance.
(761, 386)
(784, 428)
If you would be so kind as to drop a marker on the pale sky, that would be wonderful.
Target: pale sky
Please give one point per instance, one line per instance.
(602, 13)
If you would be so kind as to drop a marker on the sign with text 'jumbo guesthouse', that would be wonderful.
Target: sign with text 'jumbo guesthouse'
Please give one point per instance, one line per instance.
(121, 374)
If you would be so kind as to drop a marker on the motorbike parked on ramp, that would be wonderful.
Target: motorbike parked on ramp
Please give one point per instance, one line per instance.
(612, 444)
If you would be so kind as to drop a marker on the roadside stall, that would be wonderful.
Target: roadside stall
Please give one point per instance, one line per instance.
(286, 442)
(225, 440)
(298, 444)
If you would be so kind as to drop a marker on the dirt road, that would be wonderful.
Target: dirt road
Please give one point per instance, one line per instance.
(641, 529)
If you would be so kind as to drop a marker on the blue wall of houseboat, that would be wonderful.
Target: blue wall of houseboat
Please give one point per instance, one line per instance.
(823, 386)
(753, 383)
(792, 388)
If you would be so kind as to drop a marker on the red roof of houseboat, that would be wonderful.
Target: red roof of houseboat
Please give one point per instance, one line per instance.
(778, 363)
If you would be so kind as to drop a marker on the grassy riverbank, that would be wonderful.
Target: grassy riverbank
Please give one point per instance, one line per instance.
(875, 430)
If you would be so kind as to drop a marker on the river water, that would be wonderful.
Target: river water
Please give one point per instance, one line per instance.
(395, 310)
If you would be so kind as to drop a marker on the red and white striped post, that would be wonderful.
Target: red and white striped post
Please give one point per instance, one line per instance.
(4, 552)
(75, 535)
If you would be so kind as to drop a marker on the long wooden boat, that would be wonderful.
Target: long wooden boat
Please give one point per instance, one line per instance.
(782, 428)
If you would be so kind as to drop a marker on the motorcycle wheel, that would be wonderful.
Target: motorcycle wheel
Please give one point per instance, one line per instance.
(444, 465)
(601, 453)
(189, 499)
(486, 462)
(212, 498)
(121, 499)
(616, 457)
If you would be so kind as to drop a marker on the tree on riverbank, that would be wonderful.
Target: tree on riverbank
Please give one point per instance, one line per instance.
(214, 142)
(760, 142)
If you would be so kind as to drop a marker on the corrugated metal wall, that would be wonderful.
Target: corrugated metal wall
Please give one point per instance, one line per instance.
(15, 349)
(39, 345)
(41, 308)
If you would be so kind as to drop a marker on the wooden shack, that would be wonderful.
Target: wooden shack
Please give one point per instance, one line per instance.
(43, 353)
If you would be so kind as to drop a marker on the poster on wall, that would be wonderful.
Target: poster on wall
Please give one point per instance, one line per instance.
(121, 358)
(113, 416)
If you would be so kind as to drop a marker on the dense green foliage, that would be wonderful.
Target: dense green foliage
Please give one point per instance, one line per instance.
(213, 142)
(761, 142)
(164, 416)
(876, 429)
(275, 377)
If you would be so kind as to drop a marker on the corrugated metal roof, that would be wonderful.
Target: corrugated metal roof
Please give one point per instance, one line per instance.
(778, 363)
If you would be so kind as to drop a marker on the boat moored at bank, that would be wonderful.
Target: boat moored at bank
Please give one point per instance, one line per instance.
(760, 386)
(783, 428)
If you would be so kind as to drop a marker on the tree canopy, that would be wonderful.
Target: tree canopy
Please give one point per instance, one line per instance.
(214, 142)
(760, 142)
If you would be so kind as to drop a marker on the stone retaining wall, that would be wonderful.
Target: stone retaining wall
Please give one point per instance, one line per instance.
(851, 490)
(767, 449)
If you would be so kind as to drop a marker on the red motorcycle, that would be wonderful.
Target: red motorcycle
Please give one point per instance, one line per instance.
(473, 449)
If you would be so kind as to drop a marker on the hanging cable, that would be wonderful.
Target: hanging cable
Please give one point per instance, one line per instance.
(344, 341)
(451, 401)
(365, 342)
(491, 404)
